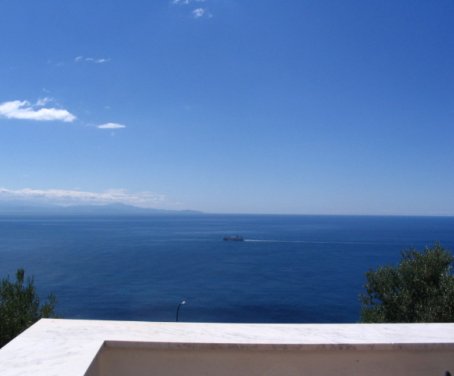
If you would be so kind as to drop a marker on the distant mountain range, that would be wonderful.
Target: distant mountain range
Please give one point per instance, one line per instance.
(17, 207)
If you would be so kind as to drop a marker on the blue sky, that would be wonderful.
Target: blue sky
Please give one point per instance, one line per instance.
(301, 107)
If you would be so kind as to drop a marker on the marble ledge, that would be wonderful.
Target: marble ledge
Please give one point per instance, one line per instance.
(68, 347)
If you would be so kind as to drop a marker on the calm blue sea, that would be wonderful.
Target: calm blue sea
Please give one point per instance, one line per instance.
(289, 269)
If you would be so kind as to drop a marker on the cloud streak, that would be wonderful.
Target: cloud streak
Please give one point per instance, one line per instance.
(187, 2)
(82, 59)
(200, 12)
(41, 102)
(111, 126)
(68, 197)
(24, 110)
(197, 12)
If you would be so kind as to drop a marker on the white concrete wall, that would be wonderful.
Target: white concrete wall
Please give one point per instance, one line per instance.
(126, 361)
(113, 348)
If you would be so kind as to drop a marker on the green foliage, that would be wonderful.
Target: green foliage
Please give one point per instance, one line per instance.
(419, 289)
(20, 306)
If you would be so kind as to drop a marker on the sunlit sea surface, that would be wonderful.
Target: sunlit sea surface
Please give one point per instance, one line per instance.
(289, 269)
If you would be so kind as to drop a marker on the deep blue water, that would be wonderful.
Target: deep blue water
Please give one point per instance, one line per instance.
(289, 269)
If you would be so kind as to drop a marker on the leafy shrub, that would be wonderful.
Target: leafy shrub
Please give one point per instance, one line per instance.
(20, 306)
(419, 289)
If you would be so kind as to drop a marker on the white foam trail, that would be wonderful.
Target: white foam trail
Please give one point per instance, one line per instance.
(301, 241)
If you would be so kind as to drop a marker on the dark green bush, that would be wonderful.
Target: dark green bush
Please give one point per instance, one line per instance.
(419, 289)
(20, 306)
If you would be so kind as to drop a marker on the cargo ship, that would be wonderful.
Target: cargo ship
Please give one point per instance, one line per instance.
(235, 238)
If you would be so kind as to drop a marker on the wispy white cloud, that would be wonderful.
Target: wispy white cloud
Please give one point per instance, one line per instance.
(68, 197)
(197, 12)
(82, 59)
(41, 102)
(187, 2)
(111, 126)
(24, 110)
(201, 12)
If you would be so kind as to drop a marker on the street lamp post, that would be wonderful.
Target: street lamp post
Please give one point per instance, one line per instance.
(183, 302)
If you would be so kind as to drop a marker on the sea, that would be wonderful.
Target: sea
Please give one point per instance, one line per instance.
(288, 269)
